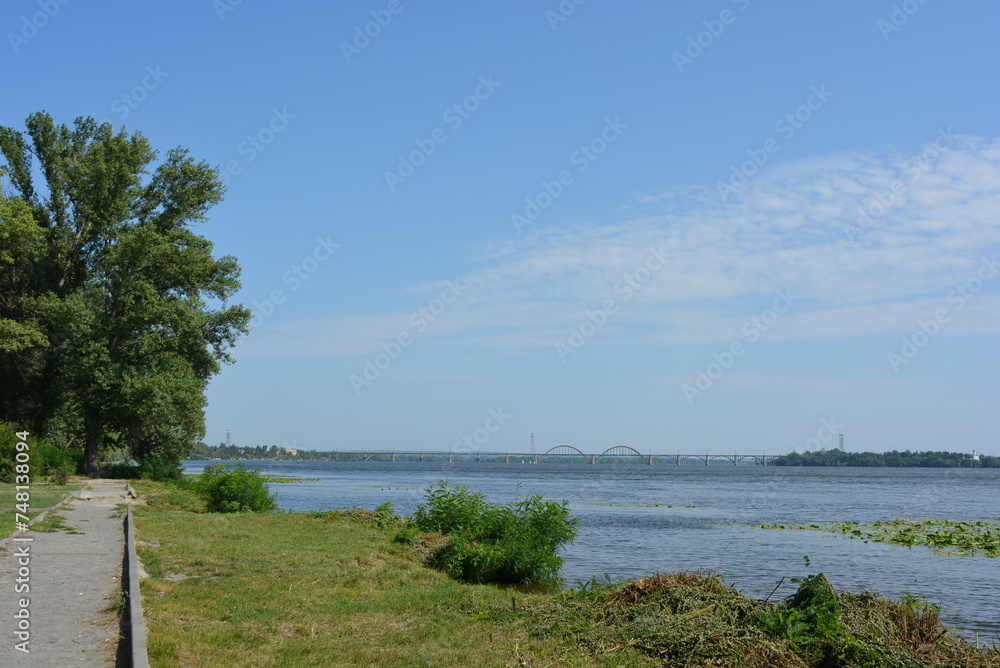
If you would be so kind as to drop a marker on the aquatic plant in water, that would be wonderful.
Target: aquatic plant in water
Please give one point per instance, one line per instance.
(963, 538)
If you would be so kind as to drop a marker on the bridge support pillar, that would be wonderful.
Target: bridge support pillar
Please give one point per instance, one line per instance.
(649, 460)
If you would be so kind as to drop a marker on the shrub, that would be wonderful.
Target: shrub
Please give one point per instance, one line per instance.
(233, 490)
(158, 469)
(8, 450)
(161, 469)
(60, 476)
(487, 542)
(45, 459)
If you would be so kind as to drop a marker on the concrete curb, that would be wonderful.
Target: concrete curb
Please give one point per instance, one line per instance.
(137, 625)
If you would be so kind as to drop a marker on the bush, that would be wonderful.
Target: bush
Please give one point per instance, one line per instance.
(487, 542)
(161, 469)
(158, 469)
(60, 476)
(8, 450)
(233, 490)
(45, 459)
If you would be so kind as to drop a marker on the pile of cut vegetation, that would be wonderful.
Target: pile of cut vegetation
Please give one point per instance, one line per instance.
(695, 619)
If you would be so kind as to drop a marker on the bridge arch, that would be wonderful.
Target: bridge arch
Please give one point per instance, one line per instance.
(562, 451)
(620, 451)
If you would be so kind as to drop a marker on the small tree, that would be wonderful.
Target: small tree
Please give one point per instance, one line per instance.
(234, 490)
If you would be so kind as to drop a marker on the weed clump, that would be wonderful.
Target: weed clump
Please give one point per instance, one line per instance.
(233, 490)
(516, 543)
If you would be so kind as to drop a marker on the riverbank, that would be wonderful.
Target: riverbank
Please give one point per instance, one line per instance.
(301, 589)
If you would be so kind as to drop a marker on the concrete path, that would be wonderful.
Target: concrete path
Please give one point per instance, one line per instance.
(72, 579)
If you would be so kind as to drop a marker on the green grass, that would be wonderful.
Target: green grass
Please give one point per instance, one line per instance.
(333, 589)
(41, 498)
(53, 523)
(298, 590)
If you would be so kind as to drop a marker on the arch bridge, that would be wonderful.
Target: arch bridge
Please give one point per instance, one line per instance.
(614, 451)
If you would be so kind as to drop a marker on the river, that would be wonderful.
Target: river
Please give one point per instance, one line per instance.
(703, 520)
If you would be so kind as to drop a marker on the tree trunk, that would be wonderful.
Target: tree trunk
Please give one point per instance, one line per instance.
(91, 456)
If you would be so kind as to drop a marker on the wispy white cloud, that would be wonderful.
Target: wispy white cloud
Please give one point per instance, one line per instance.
(799, 226)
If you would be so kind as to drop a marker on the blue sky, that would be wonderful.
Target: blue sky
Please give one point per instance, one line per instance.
(684, 227)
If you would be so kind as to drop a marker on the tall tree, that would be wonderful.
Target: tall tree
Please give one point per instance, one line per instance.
(113, 313)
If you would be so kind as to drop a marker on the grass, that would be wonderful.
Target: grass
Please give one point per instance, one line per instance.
(333, 589)
(53, 523)
(41, 498)
(943, 536)
(316, 590)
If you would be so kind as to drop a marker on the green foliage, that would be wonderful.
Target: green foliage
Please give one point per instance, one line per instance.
(405, 536)
(44, 459)
(809, 620)
(159, 469)
(961, 538)
(113, 312)
(894, 459)
(488, 542)
(233, 490)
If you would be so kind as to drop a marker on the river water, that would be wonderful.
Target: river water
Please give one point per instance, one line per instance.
(704, 517)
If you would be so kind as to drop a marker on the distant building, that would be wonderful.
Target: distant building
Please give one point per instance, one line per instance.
(291, 451)
(975, 456)
(229, 436)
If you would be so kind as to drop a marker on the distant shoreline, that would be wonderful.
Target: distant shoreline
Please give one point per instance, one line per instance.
(832, 458)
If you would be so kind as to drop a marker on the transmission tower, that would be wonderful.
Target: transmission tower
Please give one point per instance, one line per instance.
(532, 444)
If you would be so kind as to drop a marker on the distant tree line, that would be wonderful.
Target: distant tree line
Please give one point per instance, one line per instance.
(895, 459)
(263, 452)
